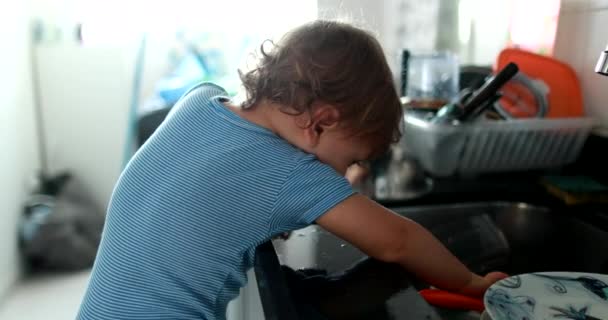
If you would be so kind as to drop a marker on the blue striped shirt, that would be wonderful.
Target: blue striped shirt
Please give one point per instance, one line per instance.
(192, 205)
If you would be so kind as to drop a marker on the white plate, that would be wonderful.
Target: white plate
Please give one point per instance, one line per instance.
(549, 295)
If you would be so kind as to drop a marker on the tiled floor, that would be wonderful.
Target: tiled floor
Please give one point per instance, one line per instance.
(48, 297)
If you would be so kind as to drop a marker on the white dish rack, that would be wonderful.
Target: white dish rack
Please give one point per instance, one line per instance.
(494, 146)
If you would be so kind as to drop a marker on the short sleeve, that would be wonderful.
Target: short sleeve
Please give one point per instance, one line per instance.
(312, 189)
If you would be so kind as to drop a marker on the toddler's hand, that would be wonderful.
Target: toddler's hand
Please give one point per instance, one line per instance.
(356, 173)
(496, 276)
(478, 285)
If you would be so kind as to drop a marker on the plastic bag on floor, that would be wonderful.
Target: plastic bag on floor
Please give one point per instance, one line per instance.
(61, 228)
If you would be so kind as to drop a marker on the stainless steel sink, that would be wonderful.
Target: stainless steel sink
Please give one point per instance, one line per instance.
(515, 237)
(510, 237)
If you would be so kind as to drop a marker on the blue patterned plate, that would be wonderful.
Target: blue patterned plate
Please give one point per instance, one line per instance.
(549, 295)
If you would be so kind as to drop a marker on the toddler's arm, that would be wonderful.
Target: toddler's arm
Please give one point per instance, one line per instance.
(386, 236)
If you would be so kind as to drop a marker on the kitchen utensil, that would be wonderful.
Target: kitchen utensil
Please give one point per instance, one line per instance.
(549, 295)
(476, 102)
(450, 300)
(488, 90)
(564, 90)
(405, 61)
(432, 79)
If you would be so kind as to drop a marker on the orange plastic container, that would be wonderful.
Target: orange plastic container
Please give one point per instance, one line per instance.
(565, 97)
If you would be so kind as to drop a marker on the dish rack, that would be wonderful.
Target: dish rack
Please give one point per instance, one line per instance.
(494, 146)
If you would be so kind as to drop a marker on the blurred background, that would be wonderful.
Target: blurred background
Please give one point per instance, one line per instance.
(84, 82)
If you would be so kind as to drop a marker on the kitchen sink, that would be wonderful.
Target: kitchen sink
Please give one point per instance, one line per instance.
(515, 237)
(338, 281)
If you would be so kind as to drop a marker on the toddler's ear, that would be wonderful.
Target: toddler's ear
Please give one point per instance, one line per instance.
(323, 117)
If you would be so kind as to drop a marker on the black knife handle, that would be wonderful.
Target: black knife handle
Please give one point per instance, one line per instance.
(489, 90)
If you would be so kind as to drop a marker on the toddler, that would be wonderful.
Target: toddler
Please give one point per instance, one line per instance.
(218, 178)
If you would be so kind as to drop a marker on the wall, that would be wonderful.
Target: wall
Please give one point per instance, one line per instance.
(85, 95)
(18, 157)
(581, 36)
(367, 14)
(373, 16)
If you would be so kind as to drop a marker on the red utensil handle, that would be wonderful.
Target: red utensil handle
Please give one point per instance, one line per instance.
(451, 300)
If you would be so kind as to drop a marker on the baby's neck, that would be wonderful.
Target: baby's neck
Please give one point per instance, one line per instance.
(269, 116)
(262, 115)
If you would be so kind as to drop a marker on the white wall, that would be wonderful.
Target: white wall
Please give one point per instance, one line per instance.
(373, 16)
(581, 36)
(18, 157)
(85, 95)
(363, 13)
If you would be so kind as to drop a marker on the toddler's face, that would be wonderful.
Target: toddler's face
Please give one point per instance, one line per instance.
(340, 151)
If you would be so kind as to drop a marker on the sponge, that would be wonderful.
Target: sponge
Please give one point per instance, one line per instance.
(576, 189)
